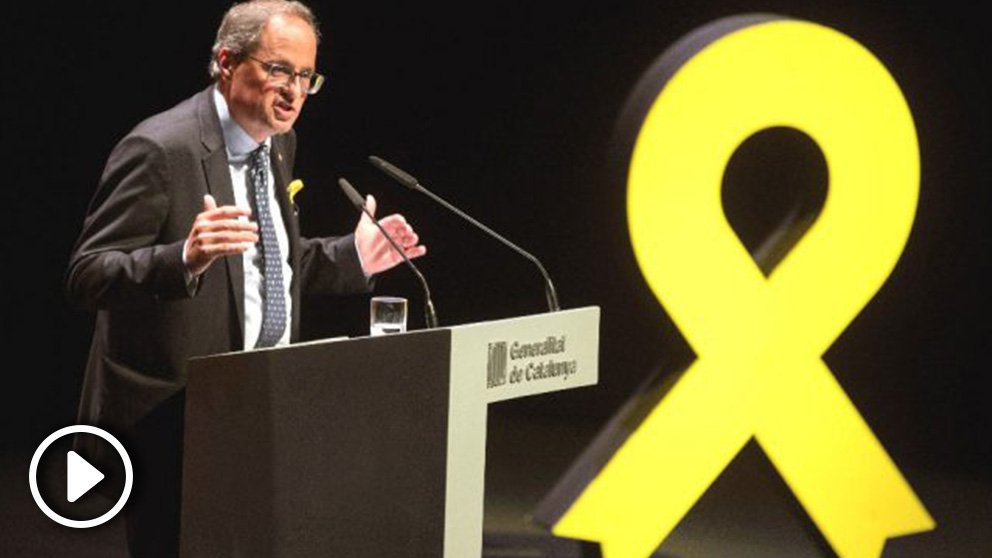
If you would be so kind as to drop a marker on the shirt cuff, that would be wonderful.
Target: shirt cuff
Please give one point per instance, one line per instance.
(360, 262)
(192, 283)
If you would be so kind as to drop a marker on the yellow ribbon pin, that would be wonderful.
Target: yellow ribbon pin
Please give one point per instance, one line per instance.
(760, 340)
(294, 188)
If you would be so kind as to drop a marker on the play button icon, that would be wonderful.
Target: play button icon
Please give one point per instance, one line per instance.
(80, 477)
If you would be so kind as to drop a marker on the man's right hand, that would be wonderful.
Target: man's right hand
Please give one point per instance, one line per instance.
(217, 232)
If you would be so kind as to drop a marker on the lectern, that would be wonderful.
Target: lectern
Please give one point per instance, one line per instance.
(363, 448)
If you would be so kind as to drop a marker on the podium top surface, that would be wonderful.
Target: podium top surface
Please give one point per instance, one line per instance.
(535, 322)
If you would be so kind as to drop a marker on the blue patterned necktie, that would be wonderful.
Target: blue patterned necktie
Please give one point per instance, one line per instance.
(273, 292)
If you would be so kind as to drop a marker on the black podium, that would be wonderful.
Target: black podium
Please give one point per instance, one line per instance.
(369, 447)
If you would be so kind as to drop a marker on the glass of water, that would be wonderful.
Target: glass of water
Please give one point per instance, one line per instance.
(387, 314)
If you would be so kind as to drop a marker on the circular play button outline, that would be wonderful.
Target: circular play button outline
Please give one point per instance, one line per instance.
(33, 476)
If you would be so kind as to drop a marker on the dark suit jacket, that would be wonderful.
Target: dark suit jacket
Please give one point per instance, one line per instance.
(127, 263)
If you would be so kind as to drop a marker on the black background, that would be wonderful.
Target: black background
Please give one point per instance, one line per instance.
(507, 110)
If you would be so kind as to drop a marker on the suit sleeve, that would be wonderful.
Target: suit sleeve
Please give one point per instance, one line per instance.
(120, 256)
(331, 266)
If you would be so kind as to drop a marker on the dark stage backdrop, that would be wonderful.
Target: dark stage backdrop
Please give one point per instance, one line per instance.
(506, 109)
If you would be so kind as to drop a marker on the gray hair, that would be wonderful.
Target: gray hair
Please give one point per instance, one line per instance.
(241, 29)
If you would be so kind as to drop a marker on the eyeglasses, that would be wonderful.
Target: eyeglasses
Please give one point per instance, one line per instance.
(310, 81)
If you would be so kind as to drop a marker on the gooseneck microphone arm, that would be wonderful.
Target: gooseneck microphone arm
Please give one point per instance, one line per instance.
(409, 181)
(359, 203)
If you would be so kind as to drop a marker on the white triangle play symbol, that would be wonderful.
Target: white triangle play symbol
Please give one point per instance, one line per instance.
(80, 477)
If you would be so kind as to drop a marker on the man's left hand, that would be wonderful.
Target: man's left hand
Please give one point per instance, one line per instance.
(376, 252)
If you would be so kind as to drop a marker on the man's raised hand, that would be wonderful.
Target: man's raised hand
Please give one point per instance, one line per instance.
(376, 252)
(217, 232)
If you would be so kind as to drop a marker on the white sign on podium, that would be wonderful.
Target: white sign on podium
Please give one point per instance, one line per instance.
(497, 361)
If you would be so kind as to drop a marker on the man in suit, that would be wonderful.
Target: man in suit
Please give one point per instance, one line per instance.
(191, 247)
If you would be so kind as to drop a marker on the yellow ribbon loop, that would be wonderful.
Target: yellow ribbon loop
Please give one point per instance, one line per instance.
(760, 340)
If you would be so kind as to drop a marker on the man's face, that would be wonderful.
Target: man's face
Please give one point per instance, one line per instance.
(261, 107)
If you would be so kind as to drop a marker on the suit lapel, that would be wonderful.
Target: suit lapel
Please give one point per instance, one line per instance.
(281, 173)
(218, 177)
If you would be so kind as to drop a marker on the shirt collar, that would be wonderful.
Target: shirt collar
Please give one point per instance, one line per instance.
(237, 142)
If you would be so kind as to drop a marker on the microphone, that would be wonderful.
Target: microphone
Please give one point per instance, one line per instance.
(409, 181)
(359, 203)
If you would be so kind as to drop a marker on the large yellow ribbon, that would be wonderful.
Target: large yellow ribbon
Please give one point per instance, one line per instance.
(760, 340)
